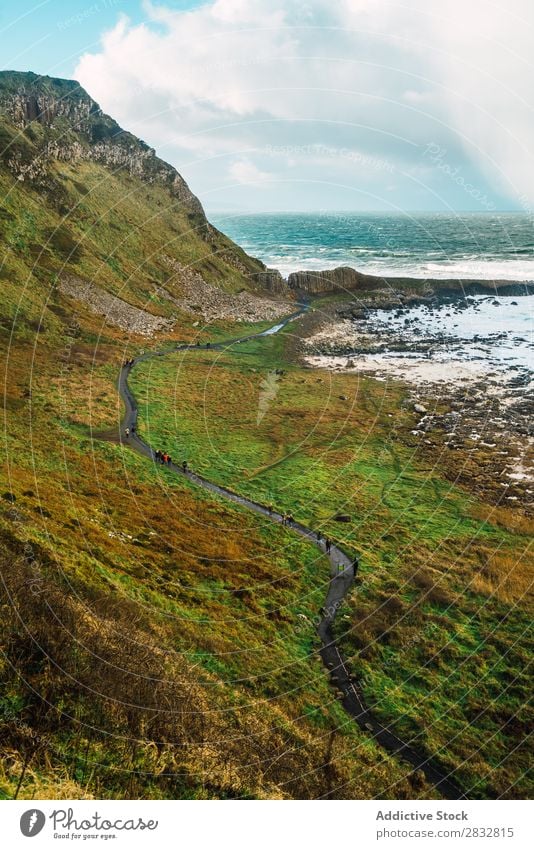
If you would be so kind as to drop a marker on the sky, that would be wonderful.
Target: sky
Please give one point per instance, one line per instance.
(312, 105)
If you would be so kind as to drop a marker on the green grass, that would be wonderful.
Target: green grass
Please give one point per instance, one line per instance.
(157, 642)
(426, 630)
(145, 573)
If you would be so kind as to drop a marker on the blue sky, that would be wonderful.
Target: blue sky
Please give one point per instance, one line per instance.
(305, 104)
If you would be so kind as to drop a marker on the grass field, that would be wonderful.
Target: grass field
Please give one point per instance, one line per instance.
(156, 642)
(438, 630)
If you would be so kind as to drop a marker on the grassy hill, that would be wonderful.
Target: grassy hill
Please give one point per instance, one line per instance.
(439, 630)
(83, 198)
(156, 643)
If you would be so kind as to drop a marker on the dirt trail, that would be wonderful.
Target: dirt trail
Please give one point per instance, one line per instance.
(341, 579)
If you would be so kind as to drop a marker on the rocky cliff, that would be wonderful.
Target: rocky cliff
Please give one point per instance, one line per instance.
(58, 120)
(395, 289)
(54, 141)
(340, 279)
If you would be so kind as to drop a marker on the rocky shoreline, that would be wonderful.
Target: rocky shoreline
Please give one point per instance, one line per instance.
(472, 413)
(372, 291)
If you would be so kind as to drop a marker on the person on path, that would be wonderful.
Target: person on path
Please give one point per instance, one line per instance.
(270, 509)
(328, 546)
(169, 460)
(184, 466)
(355, 565)
(127, 432)
(165, 458)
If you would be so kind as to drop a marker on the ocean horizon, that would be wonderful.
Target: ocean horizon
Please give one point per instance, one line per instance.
(423, 245)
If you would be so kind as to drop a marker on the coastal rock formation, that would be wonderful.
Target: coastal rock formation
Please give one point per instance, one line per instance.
(272, 281)
(394, 291)
(340, 279)
(76, 129)
(57, 144)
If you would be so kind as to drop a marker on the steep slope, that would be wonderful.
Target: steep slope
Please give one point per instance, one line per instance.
(126, 598)
(84, 200)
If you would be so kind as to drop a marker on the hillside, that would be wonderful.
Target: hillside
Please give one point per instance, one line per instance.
(151, 635)
(91, 211)
(157, 640)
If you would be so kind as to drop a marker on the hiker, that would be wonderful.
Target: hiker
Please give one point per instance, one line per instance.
(164, 458)
(184, 466)
(289, 518)
(328, 546)
(127, 432)
(208, 344)
(133, 428)
(355, 565)
(319, 536)
(157, 455)
(270, 509)
(169, 460)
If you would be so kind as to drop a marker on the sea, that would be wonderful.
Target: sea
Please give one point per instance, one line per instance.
(428, 245)
(489, 246)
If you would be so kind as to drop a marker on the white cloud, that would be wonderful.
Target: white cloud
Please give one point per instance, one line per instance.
(245, 172)
(237, 77)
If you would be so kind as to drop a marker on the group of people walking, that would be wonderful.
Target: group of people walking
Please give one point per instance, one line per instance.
(163, 458)
(128, 363)
(287, 519)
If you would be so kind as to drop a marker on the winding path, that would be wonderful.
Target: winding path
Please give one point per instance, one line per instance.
(341, 580)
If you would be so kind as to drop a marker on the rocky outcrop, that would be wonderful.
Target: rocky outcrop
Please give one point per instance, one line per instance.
(393, 291)
(71, 127)
(272, 281)
(341, 279)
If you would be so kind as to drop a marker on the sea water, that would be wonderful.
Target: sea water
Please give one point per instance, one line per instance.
(429, 245)
(476, 246)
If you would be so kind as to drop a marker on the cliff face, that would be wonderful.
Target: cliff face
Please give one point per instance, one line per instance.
(104, 193)
(58, 120)
(345, 280)
(340, 279)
